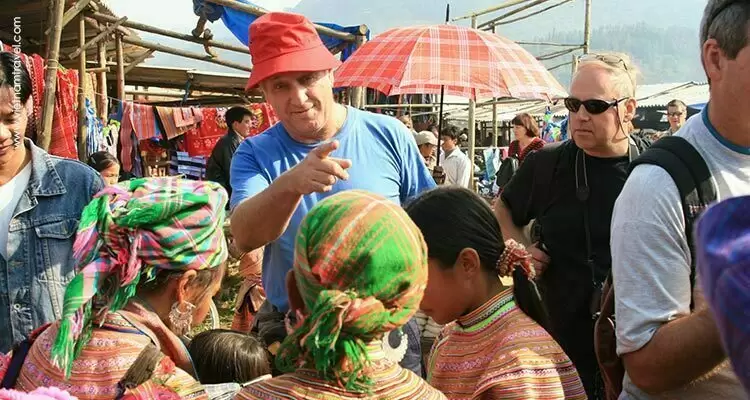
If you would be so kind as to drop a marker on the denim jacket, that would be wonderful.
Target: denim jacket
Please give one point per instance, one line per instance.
(40, 244)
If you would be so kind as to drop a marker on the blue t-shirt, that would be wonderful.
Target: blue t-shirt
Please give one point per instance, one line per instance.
(385, 160)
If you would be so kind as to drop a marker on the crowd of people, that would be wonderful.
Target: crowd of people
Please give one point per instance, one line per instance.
(366, 279)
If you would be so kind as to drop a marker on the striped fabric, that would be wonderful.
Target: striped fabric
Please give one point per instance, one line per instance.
(469, 62)
(390, 382)
(723, 251)
(128, 232)
(498, 352)
(113, 348)
(360, 265)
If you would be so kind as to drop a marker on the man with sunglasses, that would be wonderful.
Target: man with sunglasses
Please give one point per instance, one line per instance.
(570, 189)
(666, 335)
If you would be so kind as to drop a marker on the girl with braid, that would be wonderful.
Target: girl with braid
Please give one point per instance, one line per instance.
(495, 345)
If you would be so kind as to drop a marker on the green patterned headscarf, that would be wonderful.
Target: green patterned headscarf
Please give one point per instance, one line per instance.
(128, 232)
(360, 265)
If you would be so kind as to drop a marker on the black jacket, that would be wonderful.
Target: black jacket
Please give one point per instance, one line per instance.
(220, 162)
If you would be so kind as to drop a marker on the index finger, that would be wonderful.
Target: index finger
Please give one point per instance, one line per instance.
(325, 149)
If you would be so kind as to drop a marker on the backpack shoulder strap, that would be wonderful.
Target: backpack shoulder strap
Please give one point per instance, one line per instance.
(690, 173)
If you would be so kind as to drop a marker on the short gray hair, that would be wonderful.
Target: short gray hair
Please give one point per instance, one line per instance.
(727, 22)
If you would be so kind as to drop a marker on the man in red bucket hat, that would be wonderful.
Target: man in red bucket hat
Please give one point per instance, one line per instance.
(319, 148)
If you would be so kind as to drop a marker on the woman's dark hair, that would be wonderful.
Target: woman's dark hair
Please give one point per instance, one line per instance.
(102, 160)
(224, 356)
(470, 223)
(527, 121)
(13, 74)
(236, 114)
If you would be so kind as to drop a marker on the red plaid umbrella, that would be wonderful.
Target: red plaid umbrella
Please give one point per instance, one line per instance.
(468, 62)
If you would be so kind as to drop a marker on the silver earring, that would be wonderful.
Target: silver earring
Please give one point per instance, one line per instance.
(16, 137)
(181, 317)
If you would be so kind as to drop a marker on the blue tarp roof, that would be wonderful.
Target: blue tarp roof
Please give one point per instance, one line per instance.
(238, 23)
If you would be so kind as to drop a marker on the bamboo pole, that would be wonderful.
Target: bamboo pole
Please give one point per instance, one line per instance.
(176, 35)
(74, 10)
(507, 4)
(95, 24)
(510, 21)
(357, 96)
(546, 44)
(186, 54)
(559, 66)
(410, 105)
(138, 60)
(57, 7)
(494, 115)
(101, 48)
(102, 35)
(82, 89)
(574, 66)
(510, 13)
(587, 29)
(556, 54)
(472, 126)
(120, 69)
(250, 9)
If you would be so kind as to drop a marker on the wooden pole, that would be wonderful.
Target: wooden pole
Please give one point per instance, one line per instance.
(250, 9)
(186, 54)
(57, 7)
(472, 126)
(176, 35)
(138, 60)
(574, 65)
(357, 97)
(507, 4)
(494, 114)
(82, 90)
(102, 102)
(587, 29)
(544, 43)
(74, 10)
(510, 21)
(103, 34)
(120, 69)
(510, 13)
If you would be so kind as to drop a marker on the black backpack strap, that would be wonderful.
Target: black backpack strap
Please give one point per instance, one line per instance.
(690, 173)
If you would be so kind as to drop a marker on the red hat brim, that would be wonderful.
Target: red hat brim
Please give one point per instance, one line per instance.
(308, 60)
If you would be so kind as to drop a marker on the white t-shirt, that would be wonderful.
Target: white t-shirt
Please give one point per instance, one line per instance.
(457, 168)
(10, 195)
(651, 257)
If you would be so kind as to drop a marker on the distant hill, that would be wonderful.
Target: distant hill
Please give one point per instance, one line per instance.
(661, 54)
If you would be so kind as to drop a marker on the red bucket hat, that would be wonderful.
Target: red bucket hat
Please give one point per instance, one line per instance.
(286, 42)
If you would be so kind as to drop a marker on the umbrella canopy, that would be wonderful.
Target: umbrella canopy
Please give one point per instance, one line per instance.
(467, 62)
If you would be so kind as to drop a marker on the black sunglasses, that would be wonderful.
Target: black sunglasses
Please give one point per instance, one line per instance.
(593, 106)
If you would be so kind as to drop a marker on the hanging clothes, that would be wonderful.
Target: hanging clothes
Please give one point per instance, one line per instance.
(201, 141)
(65, 118)
(182, 163)
(111, 134)
(94, 130)
(183, 117)
(166, 116)
(263, 117)
(126, 137)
